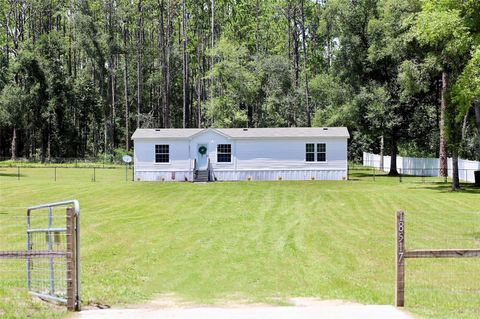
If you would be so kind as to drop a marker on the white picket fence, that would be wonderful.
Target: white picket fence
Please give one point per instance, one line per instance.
(423, 166)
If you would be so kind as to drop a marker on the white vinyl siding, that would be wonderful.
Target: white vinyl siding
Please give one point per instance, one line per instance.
(258, 159)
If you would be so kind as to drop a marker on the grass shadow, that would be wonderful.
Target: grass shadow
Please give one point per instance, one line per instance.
(11, 175)
(368, 176)
(447, 188)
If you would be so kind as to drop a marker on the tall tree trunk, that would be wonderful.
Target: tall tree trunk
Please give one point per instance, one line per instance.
(296, 50)
(255, 106)
(393, 157)
(111, 78)
(329, 45)
(161, 58)
(70, 51)
(30, 147)
(125, 82)
(139, 62)
(304, 46)
(199, 79)
(168, 83)
(476, 107)
(257, 28)
(381, 152)
(289, 33)
(443, 141)
(212, 46)
(113, 111)
(455, 177)
(163, 61)
(164, 42)
(7, 38)
(213, 26)
(186, 112)
(14, 144)
(49, 143)
(464, 126)
(105, 139)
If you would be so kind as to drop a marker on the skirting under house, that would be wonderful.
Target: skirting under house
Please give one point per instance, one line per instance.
(241, 154)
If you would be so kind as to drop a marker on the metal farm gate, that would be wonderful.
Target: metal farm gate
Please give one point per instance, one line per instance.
(52, 254)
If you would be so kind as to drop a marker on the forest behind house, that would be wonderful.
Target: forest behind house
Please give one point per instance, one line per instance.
(78, 77)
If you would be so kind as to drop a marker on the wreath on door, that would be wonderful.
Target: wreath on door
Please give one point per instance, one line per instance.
(202, 150)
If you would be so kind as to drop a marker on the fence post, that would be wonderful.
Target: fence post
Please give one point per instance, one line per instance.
(423, 176)
(55, 168)
(29, 248)
(373, 169)
(50, 247)
(400, 260)
(94, 177)
(18, 172)
(72, 303)
(400, 174)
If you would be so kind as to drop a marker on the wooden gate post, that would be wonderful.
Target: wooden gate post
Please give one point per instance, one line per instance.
(71, 260)
(400, 260)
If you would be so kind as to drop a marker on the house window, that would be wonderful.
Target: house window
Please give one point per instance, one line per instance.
(321, 152)
(162, 153)
(310, 152)
(224, 153)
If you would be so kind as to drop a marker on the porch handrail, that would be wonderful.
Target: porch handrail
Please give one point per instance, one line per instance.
(208, 168)
(195, 171)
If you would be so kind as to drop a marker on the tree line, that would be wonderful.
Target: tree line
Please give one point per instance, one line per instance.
(78, 77)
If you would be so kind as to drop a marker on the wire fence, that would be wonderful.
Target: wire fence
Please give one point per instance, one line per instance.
(58, 174)
(442, 279)
(99, 174)
(12, 271)
(442, 230)
(33, 254)
(107, 161)
(126, 173)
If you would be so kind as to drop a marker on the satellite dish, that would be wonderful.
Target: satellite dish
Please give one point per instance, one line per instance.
(127, 159)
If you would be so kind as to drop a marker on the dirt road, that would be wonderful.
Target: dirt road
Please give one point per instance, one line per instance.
(301, 308)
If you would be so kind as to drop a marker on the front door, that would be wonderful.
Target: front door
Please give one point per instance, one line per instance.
(202, 156)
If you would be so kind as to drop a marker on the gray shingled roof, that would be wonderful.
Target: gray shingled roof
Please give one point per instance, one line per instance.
(286, 132)
(301, 132)
(165, 132)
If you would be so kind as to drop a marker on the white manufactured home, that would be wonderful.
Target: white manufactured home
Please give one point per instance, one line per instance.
(231, 154)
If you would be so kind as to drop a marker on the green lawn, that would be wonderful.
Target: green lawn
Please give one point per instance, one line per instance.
(255, 241)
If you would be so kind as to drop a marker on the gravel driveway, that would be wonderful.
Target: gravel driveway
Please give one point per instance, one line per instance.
(301, 308)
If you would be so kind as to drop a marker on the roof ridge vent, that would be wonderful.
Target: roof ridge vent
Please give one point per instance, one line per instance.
(325, 128)
(157, 130)
(245, 129)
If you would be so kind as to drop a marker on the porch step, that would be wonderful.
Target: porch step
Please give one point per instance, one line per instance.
(201, 176)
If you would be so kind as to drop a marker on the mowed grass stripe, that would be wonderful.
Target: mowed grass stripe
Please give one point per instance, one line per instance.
(255, 241)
